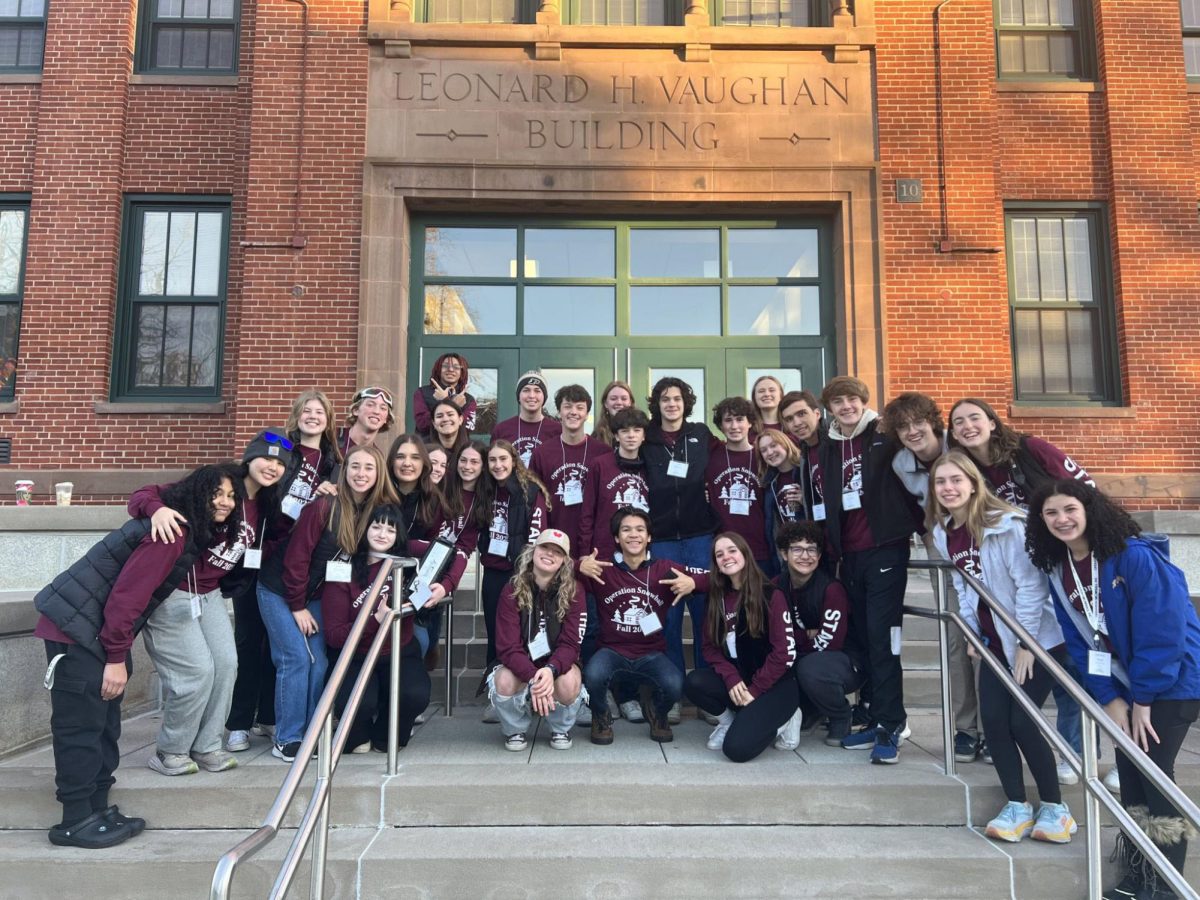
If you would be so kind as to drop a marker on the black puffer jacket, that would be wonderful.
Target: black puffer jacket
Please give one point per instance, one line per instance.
(679, 507)
(74, 600)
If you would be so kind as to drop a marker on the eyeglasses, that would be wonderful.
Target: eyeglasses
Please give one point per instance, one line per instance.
(272, 438)
(451, 364)
(803, 550)
(370, 394)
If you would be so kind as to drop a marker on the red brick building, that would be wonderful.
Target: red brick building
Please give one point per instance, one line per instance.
(208, 205)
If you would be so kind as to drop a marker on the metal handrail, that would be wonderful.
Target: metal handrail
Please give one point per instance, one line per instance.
(329, 746)
(1095, 794)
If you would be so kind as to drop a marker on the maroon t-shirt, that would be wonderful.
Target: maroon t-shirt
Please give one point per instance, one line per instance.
(315, 467)
(341, 602)
(1056, 463)
(780, 487)
(499, 530)
(736, 496)
(625, 597)
(612, 482)
(564, 469)
(1082, 569)
(856, 531)
(526, 436)
(219, 560)
(964, 553)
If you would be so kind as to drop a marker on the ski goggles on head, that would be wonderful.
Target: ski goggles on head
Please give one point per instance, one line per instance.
(371, 393)
(272, 438)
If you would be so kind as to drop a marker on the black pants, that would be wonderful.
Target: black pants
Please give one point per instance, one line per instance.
(825, 678)
(493, 583)
(876, 580)
(371, 720)
(254, 690)
(1171, 720)
(754, 726)
(84, 730)
(1010, 733)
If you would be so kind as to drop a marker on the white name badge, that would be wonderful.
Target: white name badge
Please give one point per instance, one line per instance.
(292, 506)
(573, 494)
(337, 571)
(677, 468)
(818, 512)
(498, 547)
(739, 507)
(421, 594)
(1099, 663)
(731, 644)
(650, 623)
(539, 646)
(897, 639)
(253, 558)
(197, 607)
(851, 500)
(527, 456)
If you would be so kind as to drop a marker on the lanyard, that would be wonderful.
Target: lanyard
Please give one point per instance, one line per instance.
(1089, 599)
(454, 535)
(844, 444)
(563, 446)
(537, 435)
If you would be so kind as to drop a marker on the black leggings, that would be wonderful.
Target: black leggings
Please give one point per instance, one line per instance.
(754, 726)
(371, 720)
(1010, 733)
(493, 583)
(1171, 720)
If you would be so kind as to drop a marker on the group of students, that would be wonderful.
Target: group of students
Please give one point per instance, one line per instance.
(787, 542)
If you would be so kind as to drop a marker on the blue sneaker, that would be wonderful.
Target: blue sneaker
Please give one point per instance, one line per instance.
(1012, 823)
(859, 740)
(1054, 824)
(887, 746)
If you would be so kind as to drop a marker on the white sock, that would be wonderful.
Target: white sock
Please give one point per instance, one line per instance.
(726, 718)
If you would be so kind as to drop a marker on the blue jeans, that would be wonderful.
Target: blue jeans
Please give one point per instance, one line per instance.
(654, 669)
(1068, 720)
(300, 664)
(694, 552)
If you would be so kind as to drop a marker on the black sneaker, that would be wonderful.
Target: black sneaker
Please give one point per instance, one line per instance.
(1127, 889)
(860, 716)
(984, 753)
(838, 729)
(966, 748)
(287, 752)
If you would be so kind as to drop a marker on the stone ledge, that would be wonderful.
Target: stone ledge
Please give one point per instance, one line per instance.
(21, 78)
(1050, 87)
(63, 518)
(1034, 411)
(1170, 521)
(87, 482)
(166, 407)
(16, 611)
(10, 407)
(186, 80)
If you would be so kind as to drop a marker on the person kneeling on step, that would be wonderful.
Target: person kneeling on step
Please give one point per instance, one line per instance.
(750, 646)
(633, 594)
(540, 620)
(828, 665)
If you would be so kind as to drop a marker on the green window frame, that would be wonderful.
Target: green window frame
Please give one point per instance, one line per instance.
(188, 37)
(476, 12)
(770, 13)
(170, 319)
(22, 35)
(1190, 12)
(736, 13)
(1044, 40)
(1063, 316)
(14, 242)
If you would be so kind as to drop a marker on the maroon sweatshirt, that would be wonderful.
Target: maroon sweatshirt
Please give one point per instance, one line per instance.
(526, 436)
(822, 606)
(1056, 463)
(500, 529)
(298, 558)
(564, 470)
(512, 641)
(737, 496)
(625, 596)
(462, 530)
(780, 654)
(612, 482)
(340, 605)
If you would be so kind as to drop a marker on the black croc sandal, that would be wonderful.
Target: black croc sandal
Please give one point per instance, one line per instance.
(136, 825)
(93, 833)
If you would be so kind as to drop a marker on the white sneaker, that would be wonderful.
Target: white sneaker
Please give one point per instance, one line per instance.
(632, 711)
(1066, 774)
(789, 735)
(362, 748)
(263, 730)
(237, 741)
(422, 718)
(560, 740)
(675, 715)
(1112, 780)
(515, 742)
(716, 740)
(490, 716)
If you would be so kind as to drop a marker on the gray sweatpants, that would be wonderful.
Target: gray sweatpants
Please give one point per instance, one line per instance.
(196, 661)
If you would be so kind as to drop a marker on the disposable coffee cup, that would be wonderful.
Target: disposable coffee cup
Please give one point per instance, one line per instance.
(62, 492)
(24, 489)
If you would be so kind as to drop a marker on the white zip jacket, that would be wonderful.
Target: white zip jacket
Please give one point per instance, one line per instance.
(1011, 578)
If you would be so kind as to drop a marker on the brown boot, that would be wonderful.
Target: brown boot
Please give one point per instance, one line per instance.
(660, 728)
(602, 732)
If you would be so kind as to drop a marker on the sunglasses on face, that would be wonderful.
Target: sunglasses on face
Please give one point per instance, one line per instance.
(272, 438)
(372, 393)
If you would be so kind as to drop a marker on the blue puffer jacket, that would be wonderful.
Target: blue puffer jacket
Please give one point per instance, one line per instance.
(1151, 623)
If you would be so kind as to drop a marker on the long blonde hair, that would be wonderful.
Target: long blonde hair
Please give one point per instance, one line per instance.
(562, 585)
(329, 441)
(348, 519)
(984, 509)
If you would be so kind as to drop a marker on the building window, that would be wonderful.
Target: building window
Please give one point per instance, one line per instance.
(771, 13)
(171, 312)
(188, 37)
(22, 35)
(14, 224)
(1191, 37)
(628, 12)
(1062, 308)
(1043, 39)
(461, 12)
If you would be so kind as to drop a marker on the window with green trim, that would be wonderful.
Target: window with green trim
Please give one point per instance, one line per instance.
(495, 12)
(1062, 306)
(171, 310)
(14, 228)
(771, 13)
(22, 35)
(188, 37)
(1191, 37)
(1040, 39)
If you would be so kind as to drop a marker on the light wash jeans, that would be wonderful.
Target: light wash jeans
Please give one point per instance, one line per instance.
(300, 664)
(516, 712)
(196, 659)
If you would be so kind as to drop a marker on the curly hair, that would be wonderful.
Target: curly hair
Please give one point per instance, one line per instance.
(751, 594)
(911, 406)
(1108, 526)
(792, 532)
(1001, 446)
(735, 407)
(562, 586)
(660, 388)
(435, 373)
(193, 498)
